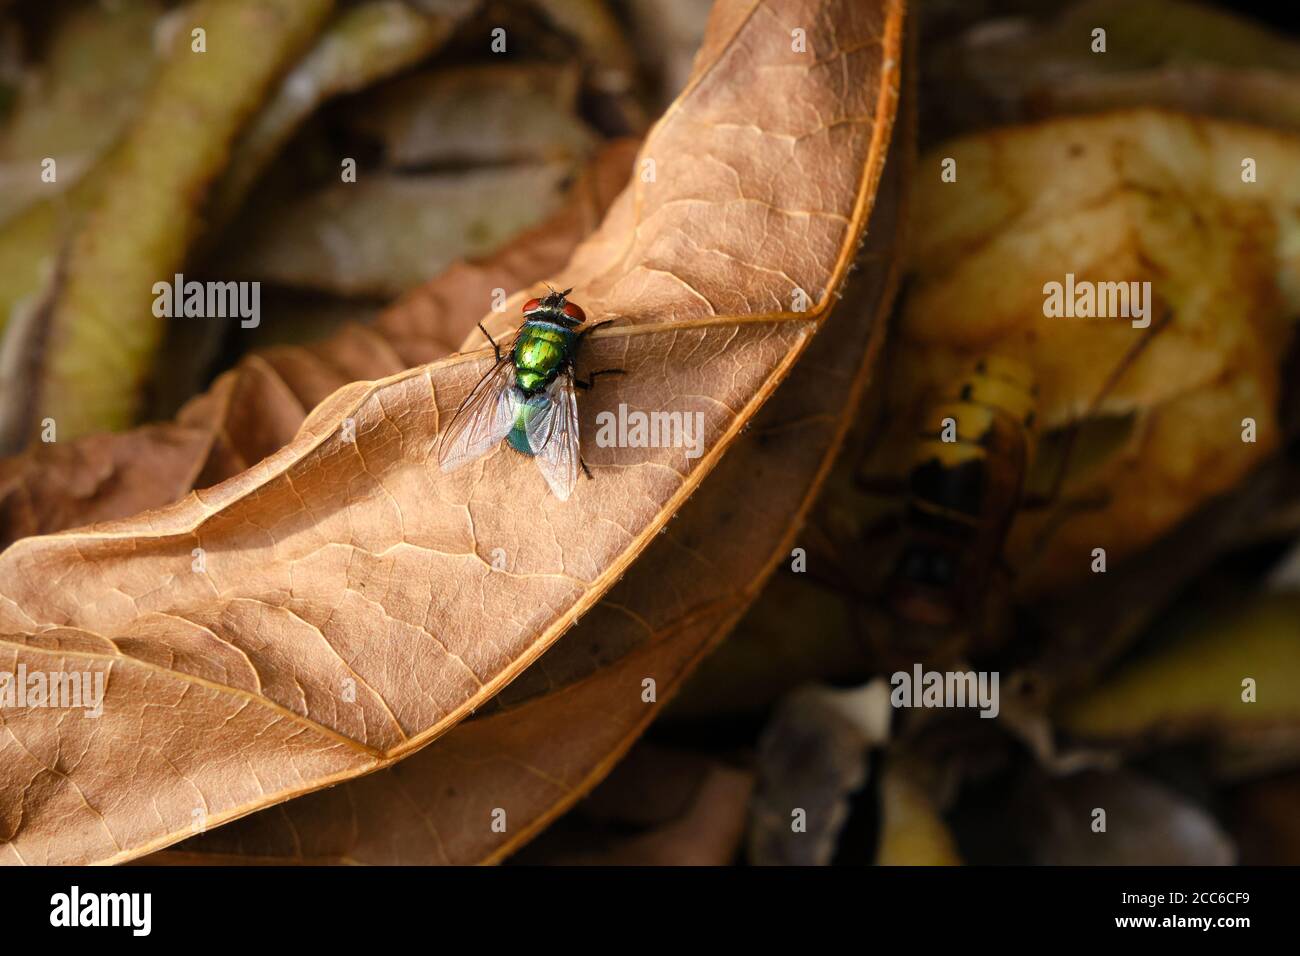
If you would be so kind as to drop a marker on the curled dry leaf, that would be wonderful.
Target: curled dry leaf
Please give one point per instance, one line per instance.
(1015, 68)
(103, 330)
(683, 595)
(1152, 197)
(685, 592)
(1265, 97)
(95, 70)
(388, 232)
(1195, 683)
(600, 37)
(658, 808)
(1147, 823)
(912, 830)
(797, 632)
(513, 112)
(63, 484)
(363, 44)
(32, 240)
(346, 611)
(812, 757)
(256, 408)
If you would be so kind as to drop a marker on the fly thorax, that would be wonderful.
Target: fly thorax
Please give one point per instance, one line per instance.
(542, 349)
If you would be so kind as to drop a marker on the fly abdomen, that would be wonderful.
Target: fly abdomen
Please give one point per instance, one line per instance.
(518, 435)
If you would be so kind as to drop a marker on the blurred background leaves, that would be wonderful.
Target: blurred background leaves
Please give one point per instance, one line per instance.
(1121, 690)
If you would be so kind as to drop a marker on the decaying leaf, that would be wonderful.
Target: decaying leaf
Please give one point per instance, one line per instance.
(104, 330)
(256, 408)
(812, 757)
(521, 112)
(1136, 196)
(365, 43)
(598, 33)
(1008, 70)
(798, 631)
(570, 718)
(33, 239)
(1145, 823)
(1264, 97)
(347, 611)
(61, 484)
(1229, 675)
(658, 808)
(912, 831)
(76, 105)
(388, 232)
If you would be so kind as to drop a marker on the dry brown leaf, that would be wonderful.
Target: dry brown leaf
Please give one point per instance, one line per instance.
(511, 112)
(1139, 195)
(389, 232)
(658, 808)
(537, 757)
(436, 807)
(798, 631)
(95, 68)
(54, 486)
(255, 409)
(812, 756)
(667, 33)
(1193, 682)
(1147, 823)
(912, 830)
(599, 35)
(102, 331)
(347, 613)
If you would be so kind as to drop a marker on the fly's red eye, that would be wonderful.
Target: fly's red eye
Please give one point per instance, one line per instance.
(575, 312)
(531, 304)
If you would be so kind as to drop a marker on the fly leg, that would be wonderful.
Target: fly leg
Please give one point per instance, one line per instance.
(591, 379)
(495, 348)
(585, 470)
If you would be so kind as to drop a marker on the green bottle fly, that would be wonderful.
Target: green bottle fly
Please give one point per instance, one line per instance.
(528, 398)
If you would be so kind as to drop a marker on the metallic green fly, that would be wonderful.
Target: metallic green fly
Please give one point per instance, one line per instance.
(529, 397)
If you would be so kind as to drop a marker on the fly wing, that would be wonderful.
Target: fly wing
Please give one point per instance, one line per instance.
(553, 435)
(483, 419)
